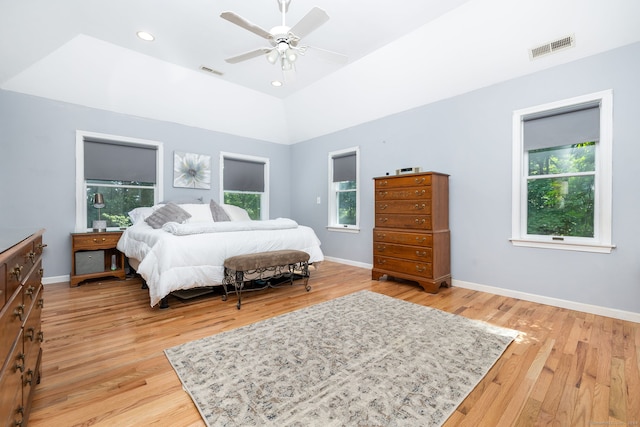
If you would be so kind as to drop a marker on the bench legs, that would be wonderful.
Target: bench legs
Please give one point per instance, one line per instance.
(237, 279)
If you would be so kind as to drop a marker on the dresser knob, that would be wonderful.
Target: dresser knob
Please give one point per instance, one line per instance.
(383, 207)
(423, 253)
(32, 256)
(420, 220)
(17, 271)
(421, 239)
(29, 291)
(385, 182)
(419, 180)
(420, 207)
(19, 311)
(420, 269)
(419, 193)
(30, 334)
(382, 193)
(384, 219)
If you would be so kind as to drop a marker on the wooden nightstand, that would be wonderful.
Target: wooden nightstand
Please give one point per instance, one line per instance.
(91, 256)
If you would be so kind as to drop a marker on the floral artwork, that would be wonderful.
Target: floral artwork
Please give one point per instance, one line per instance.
(191, 170)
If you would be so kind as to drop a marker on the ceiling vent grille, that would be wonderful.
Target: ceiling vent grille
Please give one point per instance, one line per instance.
(553, 46)
(211, 70)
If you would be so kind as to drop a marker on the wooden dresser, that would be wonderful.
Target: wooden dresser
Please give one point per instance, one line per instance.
(21, 297)
(411, 238)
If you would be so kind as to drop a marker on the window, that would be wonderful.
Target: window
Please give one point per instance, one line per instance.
(344, 190)
(124, 170)
(562, 174)
(245, 183)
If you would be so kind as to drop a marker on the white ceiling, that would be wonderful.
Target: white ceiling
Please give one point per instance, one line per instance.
(401, 54)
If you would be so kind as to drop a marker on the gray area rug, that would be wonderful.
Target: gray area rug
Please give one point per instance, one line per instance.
(364, 359)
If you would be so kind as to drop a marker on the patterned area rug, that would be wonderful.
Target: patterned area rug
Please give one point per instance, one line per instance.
(363, 359)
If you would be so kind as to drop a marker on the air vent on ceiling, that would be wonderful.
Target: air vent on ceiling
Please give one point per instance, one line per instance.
(211, 70)
(554, 46)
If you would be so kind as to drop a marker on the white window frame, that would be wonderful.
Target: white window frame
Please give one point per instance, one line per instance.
(81, 183)
(264, 200)
(601, 242)
(332, 216)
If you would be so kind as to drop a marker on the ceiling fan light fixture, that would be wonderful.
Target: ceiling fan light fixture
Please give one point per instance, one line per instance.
(272, 56)
(286, 65)
(291, 55)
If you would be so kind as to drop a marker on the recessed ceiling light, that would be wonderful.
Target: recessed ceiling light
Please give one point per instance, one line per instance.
(145, 36)
(276, 83)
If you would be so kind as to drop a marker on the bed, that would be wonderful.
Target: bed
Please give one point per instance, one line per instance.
(188, 251)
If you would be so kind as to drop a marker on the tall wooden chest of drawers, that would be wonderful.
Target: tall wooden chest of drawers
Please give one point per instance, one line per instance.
(411, 238)
(21, 301)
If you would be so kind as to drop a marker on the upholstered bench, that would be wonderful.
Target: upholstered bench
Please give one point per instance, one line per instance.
(265, 267)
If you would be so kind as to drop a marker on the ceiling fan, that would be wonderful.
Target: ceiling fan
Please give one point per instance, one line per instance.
(285, 41)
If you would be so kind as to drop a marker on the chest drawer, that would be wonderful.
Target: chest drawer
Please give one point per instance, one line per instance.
(403, 181)
(403, 206)
(414, 268)
(417, 193)
(402, 238)
(10, 387)
(400, 251)
(90, 241)
(415, 222)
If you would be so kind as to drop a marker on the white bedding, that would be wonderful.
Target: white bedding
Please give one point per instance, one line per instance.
(171, 262)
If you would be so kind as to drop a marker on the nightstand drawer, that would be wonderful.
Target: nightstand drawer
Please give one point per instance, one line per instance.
(88, 262)
(91, 241)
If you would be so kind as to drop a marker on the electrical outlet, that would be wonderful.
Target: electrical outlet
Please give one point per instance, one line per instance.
(318, 200)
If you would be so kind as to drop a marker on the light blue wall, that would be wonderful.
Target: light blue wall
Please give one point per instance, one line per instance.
(37, 164)
(469, 137)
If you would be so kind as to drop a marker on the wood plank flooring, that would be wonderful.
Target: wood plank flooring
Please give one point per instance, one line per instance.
(103, 361)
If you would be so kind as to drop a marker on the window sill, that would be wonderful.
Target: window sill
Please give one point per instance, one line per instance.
(343, 229)
(567, 246)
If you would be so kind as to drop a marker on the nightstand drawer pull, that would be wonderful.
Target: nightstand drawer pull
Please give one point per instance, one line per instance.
(96, 240)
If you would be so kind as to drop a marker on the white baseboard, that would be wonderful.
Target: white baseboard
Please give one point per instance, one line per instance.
(56, 279)
(556, 302)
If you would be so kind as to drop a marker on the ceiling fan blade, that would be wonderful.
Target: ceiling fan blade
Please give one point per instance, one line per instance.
(329, 55)
(310, 22)
(247, 25)
(248, 55)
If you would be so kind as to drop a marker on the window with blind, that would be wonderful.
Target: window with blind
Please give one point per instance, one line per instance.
(245, 183)
(344, 196)
(124, 170)
(562, 175)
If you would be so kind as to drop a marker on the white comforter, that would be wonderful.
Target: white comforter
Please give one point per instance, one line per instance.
(171, 262)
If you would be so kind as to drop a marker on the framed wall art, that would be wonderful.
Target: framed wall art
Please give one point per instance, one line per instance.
(191, 170)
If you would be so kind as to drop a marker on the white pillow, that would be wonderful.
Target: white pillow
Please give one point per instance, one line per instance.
(140, 214)
(199, 212)
(236, 213)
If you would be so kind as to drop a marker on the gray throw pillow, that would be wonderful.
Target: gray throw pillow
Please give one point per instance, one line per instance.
(167, 213)
(217, 212)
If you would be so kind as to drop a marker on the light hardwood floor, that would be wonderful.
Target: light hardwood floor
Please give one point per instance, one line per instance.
(103, 361)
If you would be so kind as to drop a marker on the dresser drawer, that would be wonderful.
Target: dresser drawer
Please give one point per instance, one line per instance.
(10, 387)
(11, 317)
(415, 222)
(400, 251)
(417, 193)
(18, 266)
(391, 265)
(89, 241)
(403, 206)
(403, 181)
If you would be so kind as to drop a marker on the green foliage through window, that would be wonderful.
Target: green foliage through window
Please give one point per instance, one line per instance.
(346, 203)
(561, 191)
(250, 202)
(120, 198)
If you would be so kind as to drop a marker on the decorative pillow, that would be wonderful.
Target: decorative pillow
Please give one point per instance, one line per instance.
(199, 212)
(140, 214)
(217, 212)
(236, 213)
(167, 213)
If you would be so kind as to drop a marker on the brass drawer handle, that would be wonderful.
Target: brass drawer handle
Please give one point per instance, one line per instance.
(17, 271)
(29, 291)
(102, 240)
(382, 193)
(420, 192)
(19, 311)
(32, 256)
(41, 272)
(423, 253)
(30, 334)
(384, 219)
(381, 235)
(418, 206)
(419, 180)
(41, 246)
(383, 207)
(382, 261)
(41, 336)
(41, 303)
(420, 220)
(28, 378)
(420, 269)
(381, 248)
(421, 239)
(19, 365)
(385, 182)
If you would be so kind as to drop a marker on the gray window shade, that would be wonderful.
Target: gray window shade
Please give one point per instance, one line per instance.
(243, 175)
(115, 162)
(564, 128)
(344, 168)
